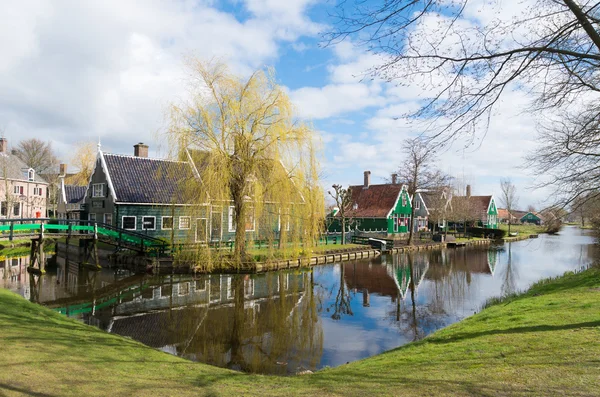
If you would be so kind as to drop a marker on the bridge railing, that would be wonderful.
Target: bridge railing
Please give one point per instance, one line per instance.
(129, 238)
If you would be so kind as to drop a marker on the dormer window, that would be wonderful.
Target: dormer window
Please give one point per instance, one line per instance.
(30, 175)
(98, 190)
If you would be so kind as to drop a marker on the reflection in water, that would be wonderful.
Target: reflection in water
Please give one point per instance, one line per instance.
(281, 322)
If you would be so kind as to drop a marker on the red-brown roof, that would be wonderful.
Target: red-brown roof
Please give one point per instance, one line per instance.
(376, 201)
(478, 205)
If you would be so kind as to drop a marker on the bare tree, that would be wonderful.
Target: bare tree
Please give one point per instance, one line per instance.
(550, 50)
(37, 154)
(509, 198)
(343, 199)
(418, 171)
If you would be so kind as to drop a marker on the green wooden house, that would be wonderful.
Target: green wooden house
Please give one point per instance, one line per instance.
(159, 198)
(383, 208)
(532, 218)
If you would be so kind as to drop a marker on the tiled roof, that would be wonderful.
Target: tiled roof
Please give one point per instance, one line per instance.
(148, 181)
(74, 194)
(477, 204)
(12, 167)
(374, 202)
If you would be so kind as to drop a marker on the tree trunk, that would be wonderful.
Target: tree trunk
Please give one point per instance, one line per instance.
(343, 218)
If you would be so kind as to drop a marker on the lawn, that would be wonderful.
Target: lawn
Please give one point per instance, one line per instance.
(523, 229)
(544, 342)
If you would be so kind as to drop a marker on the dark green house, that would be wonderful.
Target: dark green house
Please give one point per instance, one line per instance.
(159, 198)
(383, 208)
(532, 218)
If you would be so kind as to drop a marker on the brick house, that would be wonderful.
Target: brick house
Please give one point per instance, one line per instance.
(23, 193)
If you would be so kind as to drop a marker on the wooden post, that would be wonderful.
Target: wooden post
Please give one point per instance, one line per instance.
(12, 231)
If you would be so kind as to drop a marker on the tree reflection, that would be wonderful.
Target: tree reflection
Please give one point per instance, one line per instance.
(341, 305)
(509, 280)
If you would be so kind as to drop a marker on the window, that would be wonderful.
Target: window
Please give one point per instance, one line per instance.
(231, 219)
(18, 189)
(92, 217)
(167, 223)
(31, 175)
(4, 208)
(129, 222)
(403, 200)
(17, 209)
(417, 204)
(108, 218)
(98, 190)
(37, 191)
(148, 223)
(184, 222)
(250, 222)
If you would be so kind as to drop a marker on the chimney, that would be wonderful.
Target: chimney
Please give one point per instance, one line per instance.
(367, 179)
(394, 179)
(3, 145)
(468, 190)
(62, 170)
(140, 150)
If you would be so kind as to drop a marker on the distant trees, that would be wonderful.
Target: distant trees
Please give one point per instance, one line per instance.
(37, 154)
(419, 172)
(508, 197)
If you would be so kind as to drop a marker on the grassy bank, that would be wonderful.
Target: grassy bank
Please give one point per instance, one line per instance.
(544, 342)
(523, 229)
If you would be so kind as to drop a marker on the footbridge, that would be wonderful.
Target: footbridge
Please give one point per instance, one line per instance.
(38, 230)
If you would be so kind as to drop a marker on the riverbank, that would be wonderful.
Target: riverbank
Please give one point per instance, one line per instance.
(538, 343)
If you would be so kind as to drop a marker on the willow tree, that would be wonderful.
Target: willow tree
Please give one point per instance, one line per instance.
(251, 154)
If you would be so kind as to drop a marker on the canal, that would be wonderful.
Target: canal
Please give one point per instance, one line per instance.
(287, 321)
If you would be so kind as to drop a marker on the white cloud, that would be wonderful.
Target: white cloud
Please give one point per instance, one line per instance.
(75, 70)
(336, 99)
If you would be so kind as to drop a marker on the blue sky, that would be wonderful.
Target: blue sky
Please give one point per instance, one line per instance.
(75, 71)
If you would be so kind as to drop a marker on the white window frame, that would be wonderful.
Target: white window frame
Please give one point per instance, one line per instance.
(162, 223)
(18, 189)
(417, 204)
(154, 223)
(96, 187)
(31, 175)
(189, 222)
(123, 222)
(104, 218)
(231, 223)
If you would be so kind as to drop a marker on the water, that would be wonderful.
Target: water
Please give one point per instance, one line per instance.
(282, 322)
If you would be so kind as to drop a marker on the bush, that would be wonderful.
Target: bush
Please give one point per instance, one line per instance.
(483, 232)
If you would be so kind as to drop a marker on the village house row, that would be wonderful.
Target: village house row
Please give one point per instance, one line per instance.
(145, 195)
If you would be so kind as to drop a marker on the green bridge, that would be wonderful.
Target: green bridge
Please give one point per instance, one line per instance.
(40, 229)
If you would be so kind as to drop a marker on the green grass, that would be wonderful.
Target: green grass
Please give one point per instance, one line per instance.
(523, 229)
(544, 342)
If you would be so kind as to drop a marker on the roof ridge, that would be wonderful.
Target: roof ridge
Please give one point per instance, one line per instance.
(144, 158)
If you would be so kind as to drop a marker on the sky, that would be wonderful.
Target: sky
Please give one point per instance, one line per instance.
(74, 71)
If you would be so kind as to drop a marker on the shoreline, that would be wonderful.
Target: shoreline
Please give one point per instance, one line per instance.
(536, 342)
